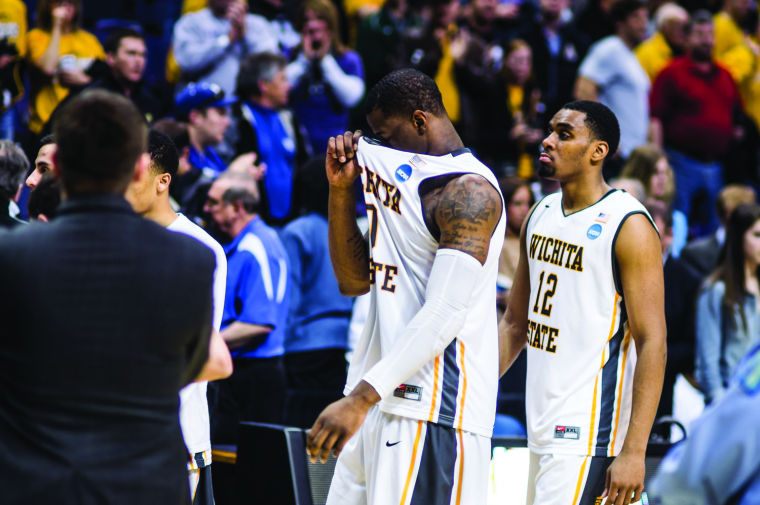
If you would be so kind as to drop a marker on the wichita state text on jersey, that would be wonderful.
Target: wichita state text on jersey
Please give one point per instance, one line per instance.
(581, 355)
(458, 387)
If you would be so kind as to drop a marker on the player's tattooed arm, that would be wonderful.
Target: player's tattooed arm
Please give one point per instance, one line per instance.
(466, 213)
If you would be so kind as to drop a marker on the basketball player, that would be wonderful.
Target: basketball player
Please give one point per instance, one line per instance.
(421, 388)
(149, 197)
(588, 293)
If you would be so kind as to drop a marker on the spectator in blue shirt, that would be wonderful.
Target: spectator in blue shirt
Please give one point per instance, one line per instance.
(264, 124)
(316, 338)
(255, 309)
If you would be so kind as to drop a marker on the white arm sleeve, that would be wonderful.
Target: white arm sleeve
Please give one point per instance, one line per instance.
(452, 281)
(348, 88)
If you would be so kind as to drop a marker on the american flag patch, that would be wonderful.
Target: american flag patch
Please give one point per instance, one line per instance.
(416, 161)
(602, 218)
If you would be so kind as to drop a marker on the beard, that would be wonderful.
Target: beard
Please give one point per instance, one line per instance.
(546, 171)
(701, 54)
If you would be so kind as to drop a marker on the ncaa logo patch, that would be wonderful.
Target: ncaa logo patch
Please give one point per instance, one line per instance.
(594, 231)
(403, 173)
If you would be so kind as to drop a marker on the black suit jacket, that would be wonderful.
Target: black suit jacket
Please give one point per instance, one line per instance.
(105, 316)
(702, 254)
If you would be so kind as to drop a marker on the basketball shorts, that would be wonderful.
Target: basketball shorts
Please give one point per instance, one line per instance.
(566, 479)
(395, 460)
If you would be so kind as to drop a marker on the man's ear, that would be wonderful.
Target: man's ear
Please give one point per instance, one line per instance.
(419, 118)
(600, 152)
(110, 60)
(55, 167)
(162, 182)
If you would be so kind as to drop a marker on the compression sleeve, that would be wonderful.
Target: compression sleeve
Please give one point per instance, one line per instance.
(453, 278)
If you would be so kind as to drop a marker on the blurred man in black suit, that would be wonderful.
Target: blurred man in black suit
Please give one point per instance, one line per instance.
(109, 315)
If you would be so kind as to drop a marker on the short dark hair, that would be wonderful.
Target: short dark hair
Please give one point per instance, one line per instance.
(116, 35)
(176, 130)
(621, 9)
(401, 92)
(45, 14)
(600, 120)
(257, 67)
(13, 167)
(699, 17)
(46, 140)
(164, 158)
(45, 197)
(100, 137)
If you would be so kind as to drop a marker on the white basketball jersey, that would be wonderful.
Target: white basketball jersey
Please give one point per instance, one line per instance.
(458, 388)
(581, 356)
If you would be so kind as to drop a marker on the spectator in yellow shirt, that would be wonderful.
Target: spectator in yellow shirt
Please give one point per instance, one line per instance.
(667, 41)
(12, 51)
(60, 54)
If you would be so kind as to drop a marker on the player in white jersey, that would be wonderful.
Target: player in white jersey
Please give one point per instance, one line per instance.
(588, 298)
(425, 370)
(149, 196)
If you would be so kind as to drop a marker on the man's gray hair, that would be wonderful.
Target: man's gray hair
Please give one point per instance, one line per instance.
(13, 167)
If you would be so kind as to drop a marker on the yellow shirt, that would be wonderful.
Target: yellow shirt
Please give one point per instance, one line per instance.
(653, 54)
(445, 79)
(13, 23)
(45, 91)
(729, 38)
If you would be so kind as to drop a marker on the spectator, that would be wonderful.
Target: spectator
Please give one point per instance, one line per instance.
(209, 44)
(12, 54)
(485, 108)
(317, 332)
(149, 196)
(45, 199)
(14, 166)
(597, 20)
(633, 187)
(265, 125)
(276, 13)
(730, 26)
(648, 164)
(91, 390)
(44, 163)
(558, 48)
(728, 320)
(668, 41)
(255, 309)
(703, 254)
(327, 78)
(694, 103)
(435, 51)
(205, 109)
(525, 107)
(612, 74)
(61, 56)
(681, 287)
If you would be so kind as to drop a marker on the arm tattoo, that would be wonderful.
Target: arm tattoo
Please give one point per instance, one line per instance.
(467, 214)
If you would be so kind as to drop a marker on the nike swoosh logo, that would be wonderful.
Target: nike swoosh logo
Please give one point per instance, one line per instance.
(388, 444)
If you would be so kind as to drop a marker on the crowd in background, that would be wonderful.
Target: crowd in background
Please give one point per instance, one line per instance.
(250, 93)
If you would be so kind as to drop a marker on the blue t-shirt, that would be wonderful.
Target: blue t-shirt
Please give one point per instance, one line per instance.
(319, 313)
(257, 286)
(207, 162)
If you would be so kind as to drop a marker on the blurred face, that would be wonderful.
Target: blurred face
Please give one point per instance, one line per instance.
(397, 132)
(666, 234)
(674, 31)
(447, 14)
(317, 31)
(751, 243)
(276, 90)
(219, 7)
(634, 28)
(738, 9)
(42, 164)
(211, 124)
(566, 150)
(658, 183)
(222, 213)
(701, 41)
(485, 9)
(129, 61)
(517, 209)
(519, 63)
(552, 9)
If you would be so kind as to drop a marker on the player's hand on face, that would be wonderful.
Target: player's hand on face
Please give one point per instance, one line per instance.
(333, 428)
(625, 480)
(340, 161)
